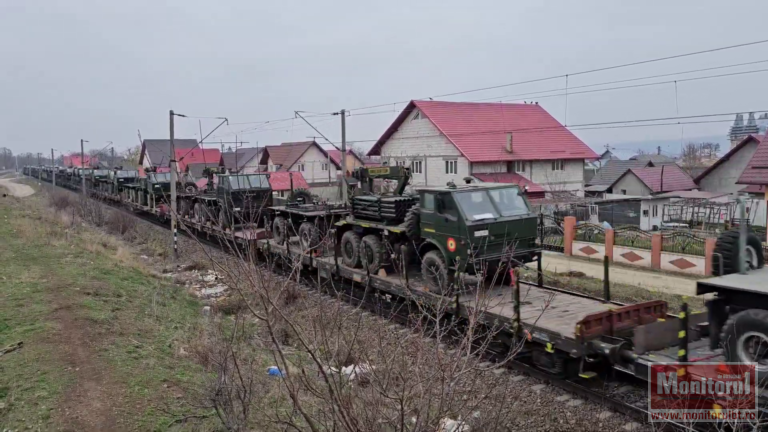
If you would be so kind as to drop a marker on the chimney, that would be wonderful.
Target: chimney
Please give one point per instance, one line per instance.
(509, 142)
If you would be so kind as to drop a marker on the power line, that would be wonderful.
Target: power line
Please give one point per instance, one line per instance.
(602, 69)
(494, 98)
(584, 126)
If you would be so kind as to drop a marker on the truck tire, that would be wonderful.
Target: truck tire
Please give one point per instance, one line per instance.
(309, 236)
(350, 249)
(411, 223)
(436, 274)
(300, 193)
(372, 253)
(184, 208)
(745, 338)
(280, 230)
(727, 247)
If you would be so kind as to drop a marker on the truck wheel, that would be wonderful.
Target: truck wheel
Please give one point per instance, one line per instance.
(372, 253)
(305, 195)
(279, 230)
(745, 338)
(184, 208)
(727, 246)
(350, 249)
(412, 221)
(309, 236)
(435, 273)
(224, 221)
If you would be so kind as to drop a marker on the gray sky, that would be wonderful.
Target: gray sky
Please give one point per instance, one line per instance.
(100, 70)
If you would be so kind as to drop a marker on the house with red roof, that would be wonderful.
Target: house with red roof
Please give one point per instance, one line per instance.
(642, 182)
(353, 161)
(444, 141)
(307, 157)
(75, 160)
(197, 156)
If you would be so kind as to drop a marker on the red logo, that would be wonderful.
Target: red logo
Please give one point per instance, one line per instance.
(451, 244)
(702, 392)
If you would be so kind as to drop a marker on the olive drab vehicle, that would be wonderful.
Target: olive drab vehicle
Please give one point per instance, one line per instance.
(230, 200)
(96, 179)
(118, 180)
(476, 228)
(152, 191)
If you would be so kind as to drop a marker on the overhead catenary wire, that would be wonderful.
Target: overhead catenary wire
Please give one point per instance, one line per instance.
(584, 126)
(602, 69)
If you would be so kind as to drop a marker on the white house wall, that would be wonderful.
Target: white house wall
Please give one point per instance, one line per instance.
(313, 160)
(421, 140)
(571, 178)
(633, 185)
(723, 178)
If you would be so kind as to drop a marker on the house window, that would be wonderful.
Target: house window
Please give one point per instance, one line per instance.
(645, 213)
(300, 167)
(325, 167)
(451, 166)
(417, 116)
(517, 167)
(416, 166)
(400, 163)
(558, 165)
(282, 194)
(655, 211)
(623, 191)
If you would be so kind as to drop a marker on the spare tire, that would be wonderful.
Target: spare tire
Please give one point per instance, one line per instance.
(412, 222)
(727, 247)
(302, 194)
(745, 338)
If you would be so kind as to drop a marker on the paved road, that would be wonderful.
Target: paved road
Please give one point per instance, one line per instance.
(16, 189)
(653, 281)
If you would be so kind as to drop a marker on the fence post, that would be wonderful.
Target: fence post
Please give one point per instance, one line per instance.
(540, 270)
(709, 255)
(610, 239)
(569, 233)
(606, 279)
(682, 353)
(656, 251)
(517, 301)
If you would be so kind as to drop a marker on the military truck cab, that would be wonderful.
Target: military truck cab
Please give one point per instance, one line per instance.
(477, 228)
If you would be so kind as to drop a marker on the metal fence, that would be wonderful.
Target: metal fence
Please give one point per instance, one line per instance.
(551, 233)
(630, 236)
(592, 233)
(682, 243)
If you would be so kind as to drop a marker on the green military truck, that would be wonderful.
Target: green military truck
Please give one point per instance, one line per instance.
(475, 228)
(235, 199)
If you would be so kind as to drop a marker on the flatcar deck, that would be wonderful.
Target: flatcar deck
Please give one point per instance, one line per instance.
(545, 309)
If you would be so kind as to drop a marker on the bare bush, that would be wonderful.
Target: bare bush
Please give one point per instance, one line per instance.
(334, 370)
(120, 223)
(91, 211)
(60, 200)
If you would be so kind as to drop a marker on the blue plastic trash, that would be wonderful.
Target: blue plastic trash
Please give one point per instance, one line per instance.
(274, 371)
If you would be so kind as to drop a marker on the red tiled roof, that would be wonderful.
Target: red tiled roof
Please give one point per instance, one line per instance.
(675, 179)
(727, 156)
(479, 131)
(336, 157)
(286, 154)
(281, 181)
(196, 155)
(756, 172)
(77, 161)
(512, 178)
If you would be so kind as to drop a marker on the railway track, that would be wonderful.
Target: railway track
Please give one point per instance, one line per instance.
(596, 390)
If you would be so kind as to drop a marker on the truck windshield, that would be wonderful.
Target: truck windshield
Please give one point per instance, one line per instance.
(491, 203)
(248, 181)
(476, 205)
(160, 177)
(101, 172)
(126, 174)
(508, 201)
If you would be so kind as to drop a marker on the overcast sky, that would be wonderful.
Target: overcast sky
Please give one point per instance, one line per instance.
(101, 70)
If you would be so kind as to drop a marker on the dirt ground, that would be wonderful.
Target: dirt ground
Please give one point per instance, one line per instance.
(16, 189)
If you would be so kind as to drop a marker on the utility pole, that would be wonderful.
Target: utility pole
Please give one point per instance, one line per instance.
(658, 150)
(173, 189)
(39, 169)
(112, 162)
(343, 156)
(82, 162)
(53, 169)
